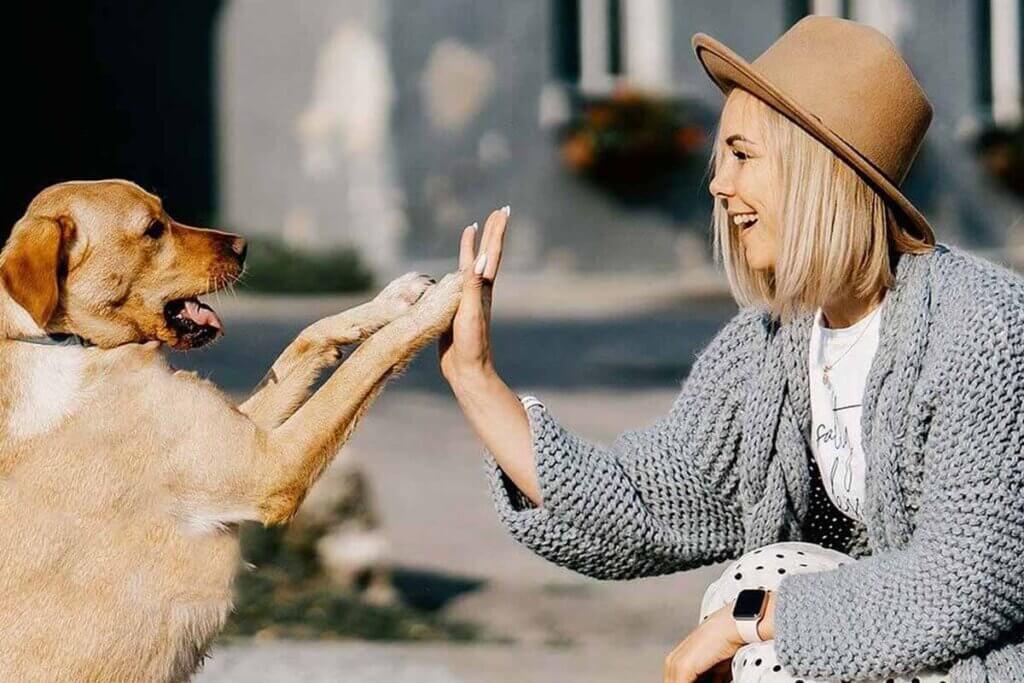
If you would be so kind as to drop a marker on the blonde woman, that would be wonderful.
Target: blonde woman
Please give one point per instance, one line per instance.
(851, 439)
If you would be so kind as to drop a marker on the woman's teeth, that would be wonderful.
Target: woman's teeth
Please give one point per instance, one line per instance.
(744, 219)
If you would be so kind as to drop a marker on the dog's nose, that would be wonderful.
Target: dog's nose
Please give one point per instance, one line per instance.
(239, 246)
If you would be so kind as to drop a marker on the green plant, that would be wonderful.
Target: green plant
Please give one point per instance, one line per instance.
(287, 595)
(273, 266)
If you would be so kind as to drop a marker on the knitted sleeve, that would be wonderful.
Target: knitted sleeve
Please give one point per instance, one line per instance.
(658, 499)
(957, 587)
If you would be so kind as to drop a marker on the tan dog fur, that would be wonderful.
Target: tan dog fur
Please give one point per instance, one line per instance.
(122, 482)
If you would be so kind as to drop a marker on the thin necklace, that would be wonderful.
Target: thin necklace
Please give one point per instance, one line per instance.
(828, 366)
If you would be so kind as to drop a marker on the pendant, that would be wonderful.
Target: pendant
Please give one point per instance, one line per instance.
(824, 377)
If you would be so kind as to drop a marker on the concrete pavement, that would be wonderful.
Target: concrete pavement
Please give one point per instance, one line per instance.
(613, 366)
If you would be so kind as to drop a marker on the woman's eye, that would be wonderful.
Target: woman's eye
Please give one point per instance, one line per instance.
(739, 155)
(155, 230)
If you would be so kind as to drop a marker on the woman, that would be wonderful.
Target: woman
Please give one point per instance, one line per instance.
(865, 399)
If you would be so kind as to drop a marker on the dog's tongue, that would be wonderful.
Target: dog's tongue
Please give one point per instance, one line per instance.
(201, 314)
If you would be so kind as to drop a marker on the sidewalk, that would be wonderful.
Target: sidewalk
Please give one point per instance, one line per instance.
(605, 354)
(424, 467)
(324, 662)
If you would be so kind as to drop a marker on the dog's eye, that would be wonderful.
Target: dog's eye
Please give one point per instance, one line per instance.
(155, 229)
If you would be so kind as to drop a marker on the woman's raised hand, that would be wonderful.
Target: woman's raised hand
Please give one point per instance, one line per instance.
(493, 410)
(464, 351)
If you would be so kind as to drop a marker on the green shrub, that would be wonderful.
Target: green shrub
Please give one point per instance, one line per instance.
(287, 595)
(273, 266)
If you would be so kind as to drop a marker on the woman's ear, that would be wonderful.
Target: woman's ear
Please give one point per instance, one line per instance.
(30, 263)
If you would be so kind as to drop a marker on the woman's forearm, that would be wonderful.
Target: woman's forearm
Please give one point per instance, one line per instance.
(499, 420)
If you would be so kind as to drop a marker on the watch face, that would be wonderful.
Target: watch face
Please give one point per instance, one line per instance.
(748, 604)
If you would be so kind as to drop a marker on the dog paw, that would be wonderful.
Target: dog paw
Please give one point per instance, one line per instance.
(403, 292)
(439, 304)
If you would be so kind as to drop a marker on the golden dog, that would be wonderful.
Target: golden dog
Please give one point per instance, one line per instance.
(122, 482)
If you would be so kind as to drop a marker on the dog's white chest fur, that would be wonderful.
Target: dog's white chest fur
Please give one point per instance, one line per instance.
(46, 389)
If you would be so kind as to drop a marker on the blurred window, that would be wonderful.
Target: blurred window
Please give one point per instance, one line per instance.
(797, 10)
(565, 40)
(596, 43)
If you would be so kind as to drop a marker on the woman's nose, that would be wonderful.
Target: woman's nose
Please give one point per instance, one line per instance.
(721, 183)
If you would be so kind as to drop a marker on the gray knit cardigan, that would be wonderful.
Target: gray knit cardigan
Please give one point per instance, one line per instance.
(941, 579)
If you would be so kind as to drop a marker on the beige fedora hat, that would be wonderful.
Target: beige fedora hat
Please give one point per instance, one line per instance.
(847, 85)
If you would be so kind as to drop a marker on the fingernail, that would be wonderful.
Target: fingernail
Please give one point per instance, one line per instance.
(507, 209)
(474, 226)
(481, 263)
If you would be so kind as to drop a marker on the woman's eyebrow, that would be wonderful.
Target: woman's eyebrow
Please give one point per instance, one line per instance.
(736, 136)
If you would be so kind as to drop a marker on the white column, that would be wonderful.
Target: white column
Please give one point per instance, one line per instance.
(647, 41)
(891, 17)
(594, 76)
(828, 8)
(1006, 75)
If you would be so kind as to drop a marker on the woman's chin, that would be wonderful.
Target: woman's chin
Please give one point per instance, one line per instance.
(755, 262)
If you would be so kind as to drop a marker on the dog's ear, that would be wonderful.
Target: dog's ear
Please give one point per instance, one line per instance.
(30, 264)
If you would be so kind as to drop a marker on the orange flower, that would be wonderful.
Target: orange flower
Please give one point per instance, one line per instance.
(578, 152)
(689, 138)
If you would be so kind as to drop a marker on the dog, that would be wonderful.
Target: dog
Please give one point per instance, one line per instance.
(123, 481)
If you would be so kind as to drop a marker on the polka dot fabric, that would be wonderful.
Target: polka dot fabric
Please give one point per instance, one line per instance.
(764, 568)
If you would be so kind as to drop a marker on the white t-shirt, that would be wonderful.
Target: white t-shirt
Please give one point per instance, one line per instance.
(836, 413)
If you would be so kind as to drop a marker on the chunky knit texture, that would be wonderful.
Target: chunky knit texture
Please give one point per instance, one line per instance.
(939, 579)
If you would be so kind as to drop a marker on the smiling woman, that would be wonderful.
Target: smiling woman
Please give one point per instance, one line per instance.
(793, 223)
(921, 406)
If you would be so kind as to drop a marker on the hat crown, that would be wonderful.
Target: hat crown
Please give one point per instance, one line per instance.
(852, 78)
(847, 85)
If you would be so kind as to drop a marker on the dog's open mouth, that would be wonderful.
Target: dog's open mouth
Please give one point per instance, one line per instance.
(195, 322)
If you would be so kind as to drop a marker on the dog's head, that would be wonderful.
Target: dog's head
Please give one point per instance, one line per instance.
(103, 260)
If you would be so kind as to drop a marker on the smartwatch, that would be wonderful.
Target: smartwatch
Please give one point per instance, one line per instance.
(747, 611)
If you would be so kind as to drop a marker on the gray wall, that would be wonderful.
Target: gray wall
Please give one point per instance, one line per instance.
(459, 93)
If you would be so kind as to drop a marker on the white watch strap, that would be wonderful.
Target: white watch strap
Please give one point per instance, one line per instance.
(748, 630)
(529, 401)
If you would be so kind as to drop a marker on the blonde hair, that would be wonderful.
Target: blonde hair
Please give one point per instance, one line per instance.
(836, 233)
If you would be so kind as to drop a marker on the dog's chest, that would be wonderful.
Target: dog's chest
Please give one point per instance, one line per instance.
(46, 386)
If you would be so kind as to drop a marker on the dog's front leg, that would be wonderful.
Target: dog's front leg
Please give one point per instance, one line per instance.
(302, 447)
(286, 385)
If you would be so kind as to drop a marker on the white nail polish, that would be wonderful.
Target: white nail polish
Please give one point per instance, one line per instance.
(481, 263)
(474, 226)
(507, 209)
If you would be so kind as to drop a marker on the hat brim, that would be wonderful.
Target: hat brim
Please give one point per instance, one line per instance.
(728, 70)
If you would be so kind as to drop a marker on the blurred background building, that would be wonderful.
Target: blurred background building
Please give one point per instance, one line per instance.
(389, 126)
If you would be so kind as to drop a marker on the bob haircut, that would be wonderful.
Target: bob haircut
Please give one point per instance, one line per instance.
(837, 235)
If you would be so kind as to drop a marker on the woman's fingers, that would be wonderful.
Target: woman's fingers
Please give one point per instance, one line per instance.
(466, 247)
(481, 265)
(471, 306)
(496, 243)
(491, 242)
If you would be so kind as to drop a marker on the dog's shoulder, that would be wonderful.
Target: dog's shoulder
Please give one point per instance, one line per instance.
(42, 386)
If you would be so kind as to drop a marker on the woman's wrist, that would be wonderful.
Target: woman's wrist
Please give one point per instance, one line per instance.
(476, 382)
